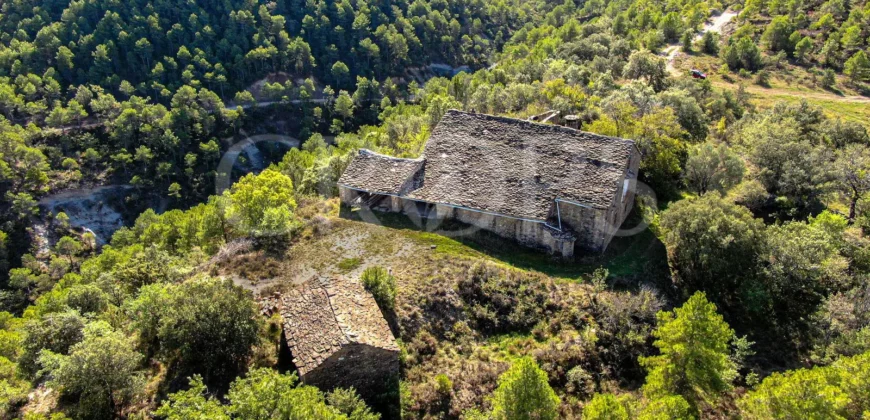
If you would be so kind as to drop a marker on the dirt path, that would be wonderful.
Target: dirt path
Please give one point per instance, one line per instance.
(714, 24)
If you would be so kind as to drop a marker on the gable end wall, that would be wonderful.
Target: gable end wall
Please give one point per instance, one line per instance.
(366, 368)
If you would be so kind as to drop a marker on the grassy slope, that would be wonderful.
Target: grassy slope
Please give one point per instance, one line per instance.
(427, 267)
(791, 84)
(346, 246)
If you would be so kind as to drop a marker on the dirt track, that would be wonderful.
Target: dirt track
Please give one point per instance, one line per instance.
(715, 24)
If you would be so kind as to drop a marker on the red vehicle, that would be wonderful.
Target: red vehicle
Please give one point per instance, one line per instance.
(697, 74)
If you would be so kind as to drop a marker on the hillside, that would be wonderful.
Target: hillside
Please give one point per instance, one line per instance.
(166, 166)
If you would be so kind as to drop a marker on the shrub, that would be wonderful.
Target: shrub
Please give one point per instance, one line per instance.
(503, 300)
(349, 403)
(712, 167)
(349, 264)
(751, 194)
(209, 327)
(742, 53)
(608, 407)
(264, 394)
(382, 285)
(829, 79)
(762, 78)
(56, 332)
(580, 381)
(625, 323)
(101, 371)
(13, 389)
(710, 43)
(264, 204)
(834, 392)
(87, 298)
(700, 259)
(672, 407)
(443, 384)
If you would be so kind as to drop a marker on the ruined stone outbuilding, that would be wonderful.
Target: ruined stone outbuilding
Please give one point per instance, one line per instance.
(542, 185)
(337, 336)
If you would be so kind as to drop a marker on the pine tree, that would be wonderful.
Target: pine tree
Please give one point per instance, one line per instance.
(524, 394)
(694, 361)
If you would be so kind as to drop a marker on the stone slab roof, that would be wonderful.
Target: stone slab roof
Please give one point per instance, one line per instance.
(321, 318)
(517, 168)
(378, 173)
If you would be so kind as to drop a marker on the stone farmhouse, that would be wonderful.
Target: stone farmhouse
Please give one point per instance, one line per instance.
(336, 335)
(544, 186)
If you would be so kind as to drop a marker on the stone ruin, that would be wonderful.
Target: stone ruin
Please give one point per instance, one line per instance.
(542, 185)
(336, 335)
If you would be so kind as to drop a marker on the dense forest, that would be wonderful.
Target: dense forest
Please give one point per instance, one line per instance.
(747, 296)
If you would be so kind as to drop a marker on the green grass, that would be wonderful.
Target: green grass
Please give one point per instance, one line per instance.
(349, 264)
(853, 111)
(510, 346)
(630, 257)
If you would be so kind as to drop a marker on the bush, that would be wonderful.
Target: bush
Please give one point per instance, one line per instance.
(742, 53)
(669, 407)
(382, 285)
(580, 381)
(625, 323)
(608, 407)
(56, 332)
(701, 260)
(712, 167)
(87, 298)
(349, 264)
(802, 265)
(264, 204)
(349, 403)
(101, 371)
(443, 384)
(13, 389)
(751, 194)
(710, 43)
(762, 78)
(209, 327)
(829, 79)
(834, 392)
(504, 300)
(265, 394)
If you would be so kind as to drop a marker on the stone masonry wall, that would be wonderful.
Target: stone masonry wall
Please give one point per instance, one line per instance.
(367, 369)
(528, 233)
(588, 223)
(347, 195)
(595, 227)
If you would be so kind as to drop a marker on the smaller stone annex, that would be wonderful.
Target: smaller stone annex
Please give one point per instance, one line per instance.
(542, 185)
(337, 335)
